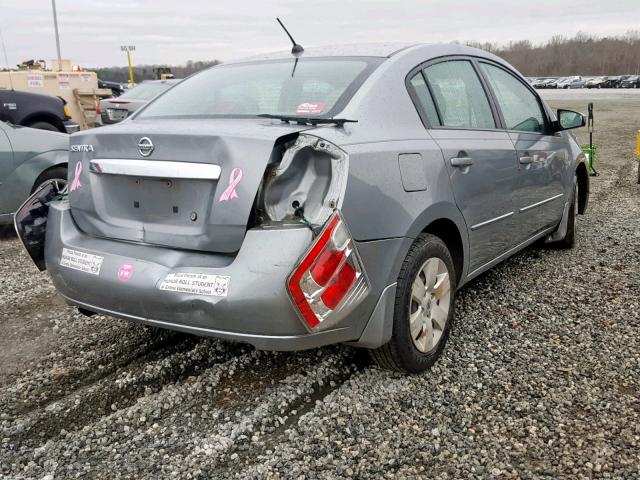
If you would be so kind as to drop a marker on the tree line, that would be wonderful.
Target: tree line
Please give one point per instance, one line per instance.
(582, 54)
(146, 72)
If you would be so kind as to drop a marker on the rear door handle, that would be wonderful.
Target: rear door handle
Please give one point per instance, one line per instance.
(526, 160)
(461, 161)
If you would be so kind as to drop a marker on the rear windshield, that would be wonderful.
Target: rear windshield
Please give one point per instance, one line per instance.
(146, 91)
(315, 87)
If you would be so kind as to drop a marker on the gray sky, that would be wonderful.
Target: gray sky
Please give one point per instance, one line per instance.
(174, 31)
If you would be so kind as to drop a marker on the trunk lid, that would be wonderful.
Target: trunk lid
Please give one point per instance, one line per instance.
(172, 196)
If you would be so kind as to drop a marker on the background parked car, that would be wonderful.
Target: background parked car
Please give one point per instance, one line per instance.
(571, 82)
(538, 82)
(545, 83)
(115, 87)
(602, 82)
(35, 110)
(632, 81)
(551, 83)
(594, 82)
(28, 158)
(619, 79)
(114, 110)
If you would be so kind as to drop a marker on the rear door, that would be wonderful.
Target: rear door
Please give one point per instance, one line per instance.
(480, 157)
(543, 156)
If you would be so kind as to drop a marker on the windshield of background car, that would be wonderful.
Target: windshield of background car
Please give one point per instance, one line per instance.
(145, 91)
(314, 87)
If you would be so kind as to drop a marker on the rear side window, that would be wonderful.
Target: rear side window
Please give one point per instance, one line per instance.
(424, 98)
(520, 107)
(459, 96)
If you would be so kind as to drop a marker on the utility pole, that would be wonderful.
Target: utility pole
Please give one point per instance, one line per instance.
(55, 26)
(129, 49)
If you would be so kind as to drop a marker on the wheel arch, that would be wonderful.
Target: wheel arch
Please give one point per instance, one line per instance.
(43, 117)
(447, 231)
(45, 171)
(445, 221)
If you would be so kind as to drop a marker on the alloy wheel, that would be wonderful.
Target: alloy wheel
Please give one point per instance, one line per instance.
(59, 183)
(429, 305)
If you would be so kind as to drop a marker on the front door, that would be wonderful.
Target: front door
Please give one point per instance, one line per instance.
(543, 166)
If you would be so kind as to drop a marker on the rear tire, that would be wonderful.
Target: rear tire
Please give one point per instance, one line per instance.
(424, 308)
(44, 126)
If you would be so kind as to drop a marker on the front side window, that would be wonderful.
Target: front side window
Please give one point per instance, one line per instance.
(311, 87)
(520, 107)
(458, 93)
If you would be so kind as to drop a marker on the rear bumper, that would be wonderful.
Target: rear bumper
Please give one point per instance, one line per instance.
(256, 310)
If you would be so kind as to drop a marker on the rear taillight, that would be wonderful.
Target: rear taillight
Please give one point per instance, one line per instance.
(329, 279)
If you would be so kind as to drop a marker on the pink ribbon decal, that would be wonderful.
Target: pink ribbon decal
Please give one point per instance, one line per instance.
(234, 179)
(76, 179)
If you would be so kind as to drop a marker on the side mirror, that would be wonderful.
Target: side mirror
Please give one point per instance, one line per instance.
(568, 119)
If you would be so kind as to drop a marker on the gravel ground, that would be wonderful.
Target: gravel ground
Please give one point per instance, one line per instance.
(540, 378)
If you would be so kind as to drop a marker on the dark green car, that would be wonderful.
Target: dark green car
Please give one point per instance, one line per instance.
(28, 158)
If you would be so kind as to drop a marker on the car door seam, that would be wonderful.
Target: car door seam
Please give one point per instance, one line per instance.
(490, 221)
(540, 203)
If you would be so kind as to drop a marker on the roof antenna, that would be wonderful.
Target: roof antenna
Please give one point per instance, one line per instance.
(297, 49)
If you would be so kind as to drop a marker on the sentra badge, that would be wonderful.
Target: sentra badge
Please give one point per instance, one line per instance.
(81, 148)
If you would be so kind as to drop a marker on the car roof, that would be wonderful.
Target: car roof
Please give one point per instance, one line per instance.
(352, 50)
(381, 50)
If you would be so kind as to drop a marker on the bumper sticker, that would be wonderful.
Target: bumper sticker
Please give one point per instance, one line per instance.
(84, 262)
(196, 283)
(125, 272)
(310, 107)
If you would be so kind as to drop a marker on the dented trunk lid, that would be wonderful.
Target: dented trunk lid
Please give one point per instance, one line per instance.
(171, 197)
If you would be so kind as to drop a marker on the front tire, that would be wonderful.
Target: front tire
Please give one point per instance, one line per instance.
(424, 308)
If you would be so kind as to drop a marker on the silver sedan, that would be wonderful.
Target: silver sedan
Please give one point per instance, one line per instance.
(330, 196)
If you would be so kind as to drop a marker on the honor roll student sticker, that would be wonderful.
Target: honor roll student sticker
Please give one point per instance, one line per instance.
(307, 108)
(196, 283)
(84, 262)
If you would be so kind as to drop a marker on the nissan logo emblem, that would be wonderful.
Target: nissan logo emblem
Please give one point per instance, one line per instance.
(145, 146)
